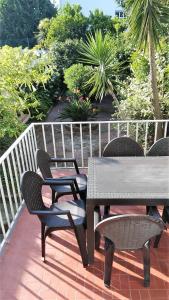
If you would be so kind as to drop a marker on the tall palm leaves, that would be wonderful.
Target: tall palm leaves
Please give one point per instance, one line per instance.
(98, 52)
(147, 19)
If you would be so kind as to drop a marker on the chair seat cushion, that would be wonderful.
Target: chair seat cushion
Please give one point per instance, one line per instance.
(76, 208)
(81, 181)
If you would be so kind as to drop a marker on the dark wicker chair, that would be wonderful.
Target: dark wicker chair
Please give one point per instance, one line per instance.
(160, 148)
(60, 216)
(128, 232)
(80, 180)
(123, 146)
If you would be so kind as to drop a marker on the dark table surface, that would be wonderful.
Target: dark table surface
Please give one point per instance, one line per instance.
(125, 181)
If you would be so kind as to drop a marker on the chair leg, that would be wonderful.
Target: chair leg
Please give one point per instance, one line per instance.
(109, 253)
(97, 219)
(106, 210)
(80, 233)
(146, 260)
(43, 241)
(53, 197)
(165, 215)
(157, 240)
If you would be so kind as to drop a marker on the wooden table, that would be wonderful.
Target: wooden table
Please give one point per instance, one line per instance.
(125, 181)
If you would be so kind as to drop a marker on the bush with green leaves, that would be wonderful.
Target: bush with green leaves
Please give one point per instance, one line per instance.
(99, 21)
(69, 23)
(65, 54)
(21, 73)
(76, 77)
(78, 110)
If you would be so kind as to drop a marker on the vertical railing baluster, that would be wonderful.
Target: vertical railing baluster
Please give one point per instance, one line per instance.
(4, 203)
(2, 225)
(137, 131)
(18, 161)
(44, 137)
(146, 134)
(128, 128)
(155, 134)
(99, 139)
(108, 132)
(54, 145)
(165, 129)
(34, 144)
(30, 147)
(81, 144)
(90, 138)
(12, 182)
(16, 175)
(21, 156)
(8, 189)
(72, 140)
(63, 143)
(25, 155)
(28, 150)
(118, 129)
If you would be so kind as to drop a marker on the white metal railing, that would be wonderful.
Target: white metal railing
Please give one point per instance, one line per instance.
(62, 139)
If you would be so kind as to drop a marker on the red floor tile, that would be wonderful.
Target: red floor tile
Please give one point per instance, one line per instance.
(24, 276)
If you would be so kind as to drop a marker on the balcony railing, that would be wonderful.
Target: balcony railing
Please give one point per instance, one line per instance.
(64, 139)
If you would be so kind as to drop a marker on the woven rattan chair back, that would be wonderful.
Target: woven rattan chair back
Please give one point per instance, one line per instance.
(123, 146)
(160, 148)
(43, 162)
(129, 232)
(31, 185)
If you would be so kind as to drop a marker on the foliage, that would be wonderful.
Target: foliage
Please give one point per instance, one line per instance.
(136, 92)
(68, 24)
(76, 77)
(19, 20)
(99, 52)
(65, 53)
(154, 18)
(78, 110)
(139, 65)
(43, 28)
(98, 21)
(21, 72)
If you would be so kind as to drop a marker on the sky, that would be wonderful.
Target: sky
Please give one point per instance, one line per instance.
(108, 6)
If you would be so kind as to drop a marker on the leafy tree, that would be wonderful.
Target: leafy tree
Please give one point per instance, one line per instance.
(19, 20)
(65, 53)
(68, 24)
(99, 52)
(98, 21)
(76, 77)
(21, 72)
(146, 21)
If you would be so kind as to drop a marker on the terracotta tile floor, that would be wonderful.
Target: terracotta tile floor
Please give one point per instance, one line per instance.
(24, 276)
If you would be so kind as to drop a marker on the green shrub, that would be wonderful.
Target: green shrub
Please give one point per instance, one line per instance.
(78, 110)
(76, 77)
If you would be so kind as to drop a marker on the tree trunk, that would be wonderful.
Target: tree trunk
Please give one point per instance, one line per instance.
(113, 94)
(154, 88)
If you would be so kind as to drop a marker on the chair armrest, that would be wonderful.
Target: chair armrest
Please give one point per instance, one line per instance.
(60, 181)
(73, 160)
(56, 213)
(74, 180)
(48, 212)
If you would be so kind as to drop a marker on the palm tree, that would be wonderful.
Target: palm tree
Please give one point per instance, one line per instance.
(98, 51)
(146, 21)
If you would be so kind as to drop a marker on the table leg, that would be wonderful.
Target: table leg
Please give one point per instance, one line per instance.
(90, 232)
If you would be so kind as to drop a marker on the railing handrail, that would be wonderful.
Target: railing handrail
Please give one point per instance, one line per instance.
(101, 122)
(8, 151)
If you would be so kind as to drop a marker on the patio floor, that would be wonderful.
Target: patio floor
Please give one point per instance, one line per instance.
(24, 276)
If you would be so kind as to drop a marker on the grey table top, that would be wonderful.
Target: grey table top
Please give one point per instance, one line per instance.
(128, 178)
